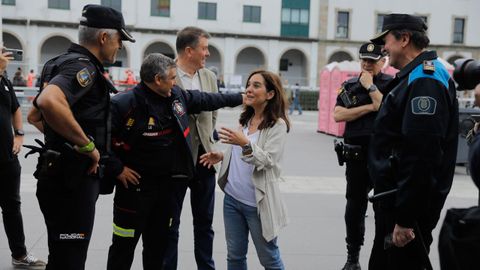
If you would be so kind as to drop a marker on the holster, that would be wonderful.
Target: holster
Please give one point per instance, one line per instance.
(353, 152)
(107, 180)
(338, 147)
(66, 166)
(48, 164)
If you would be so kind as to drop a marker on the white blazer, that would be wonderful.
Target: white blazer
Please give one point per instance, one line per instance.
(266, 157)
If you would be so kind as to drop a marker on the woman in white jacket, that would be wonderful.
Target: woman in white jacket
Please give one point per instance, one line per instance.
(250, 173)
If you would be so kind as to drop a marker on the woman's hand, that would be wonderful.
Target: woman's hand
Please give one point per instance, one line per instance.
(232, 137)
(211, 158)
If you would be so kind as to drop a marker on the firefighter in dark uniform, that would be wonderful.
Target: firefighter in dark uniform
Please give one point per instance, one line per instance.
(74, 106)
(357, 104)
(413, 147)
(151, 142)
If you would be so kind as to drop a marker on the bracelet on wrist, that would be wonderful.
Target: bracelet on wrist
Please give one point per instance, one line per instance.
(19, 132)
(89, 147)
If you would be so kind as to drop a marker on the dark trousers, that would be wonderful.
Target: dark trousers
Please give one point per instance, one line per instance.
(69, 214)
(10, 204)
(393, 258)
(202, 200)
(140, 211)
(358, 186)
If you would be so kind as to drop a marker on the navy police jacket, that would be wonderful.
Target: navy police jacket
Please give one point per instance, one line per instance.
(414, 143)
(150, 133)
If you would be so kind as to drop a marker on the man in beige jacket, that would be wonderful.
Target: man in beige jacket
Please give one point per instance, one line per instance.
(192, 50)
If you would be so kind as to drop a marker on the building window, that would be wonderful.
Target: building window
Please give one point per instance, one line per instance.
(252, 14)
(380, 18)
(115, 4)
(458, 30)
(160, 8)
(59, 4)
(207, 11)
(8, 2)
(342, 24)
(295, 16)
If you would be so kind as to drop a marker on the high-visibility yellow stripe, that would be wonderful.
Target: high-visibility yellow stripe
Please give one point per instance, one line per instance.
(122, 232)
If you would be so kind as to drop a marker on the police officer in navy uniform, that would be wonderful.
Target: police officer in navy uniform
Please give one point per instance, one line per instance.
(357, 104)
(413, 147)
(152, 146)
(74, 106)
(11, 140)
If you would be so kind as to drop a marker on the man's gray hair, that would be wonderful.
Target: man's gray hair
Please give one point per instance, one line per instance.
(153, 64)
(88, 35)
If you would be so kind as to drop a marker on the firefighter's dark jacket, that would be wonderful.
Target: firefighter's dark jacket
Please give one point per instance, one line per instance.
(414, 143)
(131, 111)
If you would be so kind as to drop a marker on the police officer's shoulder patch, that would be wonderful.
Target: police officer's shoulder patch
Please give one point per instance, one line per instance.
(84, 77)
(428, 67)
(424, 105)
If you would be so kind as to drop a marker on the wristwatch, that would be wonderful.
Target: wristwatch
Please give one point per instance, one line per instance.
(372, 88)
(247, 149)
(19, 132)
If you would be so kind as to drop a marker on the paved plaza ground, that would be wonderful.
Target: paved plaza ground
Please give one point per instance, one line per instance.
(313, 191)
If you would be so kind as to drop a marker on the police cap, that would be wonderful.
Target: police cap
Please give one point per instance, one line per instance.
(399, 21)
(370, 51)
(105, 17)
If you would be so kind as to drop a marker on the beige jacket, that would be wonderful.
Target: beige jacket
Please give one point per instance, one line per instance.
(266, 157)
(202, 125)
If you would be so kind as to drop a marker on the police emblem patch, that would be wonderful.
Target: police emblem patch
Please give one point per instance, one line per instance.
(178, 108)
(370, 47)
(428, 67)
(84, 77)
(424, 105)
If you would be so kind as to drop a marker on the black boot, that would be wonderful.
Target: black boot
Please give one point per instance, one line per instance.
(352, 259)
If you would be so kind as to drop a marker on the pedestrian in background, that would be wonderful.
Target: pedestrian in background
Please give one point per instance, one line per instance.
(31, 78)
(357, 104)
(251, 172)
(11, 141)
(295, 100)
(18, 78)
(74, 106)
(413, 148)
